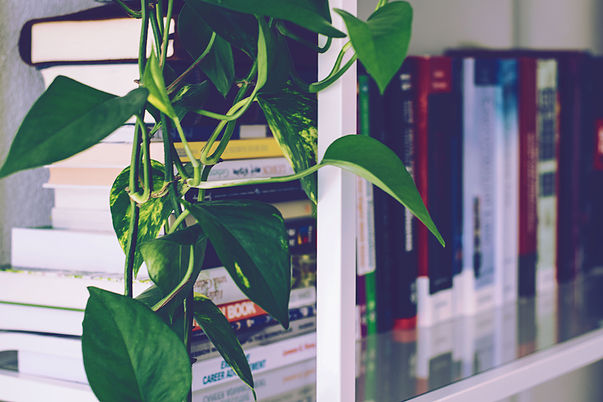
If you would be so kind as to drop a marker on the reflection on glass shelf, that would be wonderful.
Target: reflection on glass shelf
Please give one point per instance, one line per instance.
(399, 365)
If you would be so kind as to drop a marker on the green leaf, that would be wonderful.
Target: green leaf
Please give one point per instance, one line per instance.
(190, 97)
(370, 159)
(218, 64)
(168, 258)
(381, 43)
(250, 239)
(240, 30)
(130, 354)
(307, 14)
(291, 116)
(152, 80)
(153, 213)
(68, 118)
(220, 333)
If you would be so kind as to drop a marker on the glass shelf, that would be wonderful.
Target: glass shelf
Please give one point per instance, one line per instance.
(562, 324)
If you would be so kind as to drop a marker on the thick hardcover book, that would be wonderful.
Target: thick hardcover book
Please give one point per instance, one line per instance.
(593, 252)
(382, 203)
(507, 177)
(482, 126)
(98, 34)
(548, 182)
(366, 259)
(528, 176)
(436, 127)
(401, 134)
(261, 358)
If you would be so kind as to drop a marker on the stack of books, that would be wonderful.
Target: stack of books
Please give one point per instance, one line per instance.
(503, 146)
(44, 289)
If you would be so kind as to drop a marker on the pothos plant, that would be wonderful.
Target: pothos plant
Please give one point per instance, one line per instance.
(137, 348)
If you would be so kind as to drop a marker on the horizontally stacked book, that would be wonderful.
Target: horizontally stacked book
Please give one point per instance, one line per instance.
(44, 290)
(505, 149)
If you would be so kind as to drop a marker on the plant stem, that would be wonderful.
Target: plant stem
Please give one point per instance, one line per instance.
(172, 87)
(156, 30)
(131, 248)
(144, 29)
(132, 13)
(169, 165)
(319, 86)
(166, 32)
(181, 217)
(189, 153)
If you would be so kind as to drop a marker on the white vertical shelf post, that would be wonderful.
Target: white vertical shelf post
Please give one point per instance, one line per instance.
(336, 230)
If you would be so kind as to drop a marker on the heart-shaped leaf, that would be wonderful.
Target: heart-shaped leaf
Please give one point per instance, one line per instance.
(152, 80)
(190, 97)
(220, 333)
(153, 213)
(130, 354)
(370, 159)
(68, 118)
(307, 14)
(240, 30)
(291, 116)
(381, 43)
(250, 240)
(195, 35)
(168, 259)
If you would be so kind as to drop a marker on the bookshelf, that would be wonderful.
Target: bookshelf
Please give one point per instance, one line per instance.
(495, 23)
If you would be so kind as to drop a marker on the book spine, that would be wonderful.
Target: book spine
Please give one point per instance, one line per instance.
(480, 134)
(574, 80)
(548, 134)
(400, 119)
(593, 252)
(365, 215)
(237, 149)
(435, 127)
(528, 178)
(257, 334)
(261, 358)
(456, 187)
(509, 176)
(268, 192)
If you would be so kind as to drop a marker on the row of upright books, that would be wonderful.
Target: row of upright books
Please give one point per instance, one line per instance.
(505, 149)
(43, 292)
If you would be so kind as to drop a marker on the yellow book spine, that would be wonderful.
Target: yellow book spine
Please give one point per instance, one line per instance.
(237, 149)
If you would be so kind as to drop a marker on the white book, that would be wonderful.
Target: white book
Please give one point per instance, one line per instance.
(89, 40)
(20, 317)
(73, 196)
(67, 250)
(509, 178)
(295, 382)
(97, 220)
(117, 78)
(59, 289)
(365, 228)
(481, 278)
(261, 359)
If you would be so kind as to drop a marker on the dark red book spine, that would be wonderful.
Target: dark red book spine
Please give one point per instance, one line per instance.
(528, 176)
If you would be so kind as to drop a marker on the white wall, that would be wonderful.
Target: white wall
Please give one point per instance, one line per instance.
(22, 200)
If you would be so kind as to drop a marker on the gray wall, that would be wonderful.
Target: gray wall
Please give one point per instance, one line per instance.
(23, 202)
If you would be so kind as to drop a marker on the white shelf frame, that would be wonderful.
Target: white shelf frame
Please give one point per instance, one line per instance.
(336, 230)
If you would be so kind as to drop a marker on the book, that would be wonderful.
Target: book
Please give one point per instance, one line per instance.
(98, 220)
(38, 287)
(22, 317)
(548, 138)
(119, 154)
(366, 260)
(482, 132)
(379, 297)
(436, 130)
(295, 382)
(400, 115)
(82, 176)
(97, 34)
(48, 248)
(261, 358)
(528, 177)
